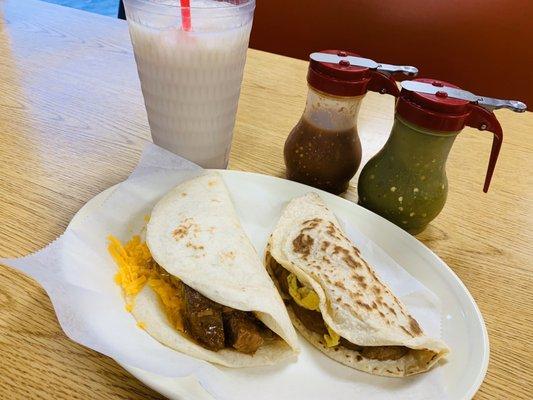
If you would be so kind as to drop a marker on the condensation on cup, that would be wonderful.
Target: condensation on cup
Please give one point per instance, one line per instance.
(191, 79)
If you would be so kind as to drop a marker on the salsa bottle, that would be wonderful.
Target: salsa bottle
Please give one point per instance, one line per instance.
(323, 149)
(405, 182)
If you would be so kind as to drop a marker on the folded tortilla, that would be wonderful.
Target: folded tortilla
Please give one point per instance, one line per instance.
(195, 235)
(363, 320)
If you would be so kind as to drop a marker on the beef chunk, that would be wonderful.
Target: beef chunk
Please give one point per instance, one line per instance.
(242, 331)
(383, 353)
(203, 319)
(312, 320)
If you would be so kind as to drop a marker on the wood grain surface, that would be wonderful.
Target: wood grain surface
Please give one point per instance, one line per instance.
(72, 123)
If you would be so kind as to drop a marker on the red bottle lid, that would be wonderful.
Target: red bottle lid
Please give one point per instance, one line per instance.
(347, 80)
(440, 112)
(433, 111)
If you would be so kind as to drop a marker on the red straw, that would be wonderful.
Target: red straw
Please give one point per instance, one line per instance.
(186, 14)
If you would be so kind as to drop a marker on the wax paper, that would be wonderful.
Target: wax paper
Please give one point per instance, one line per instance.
(77, 273)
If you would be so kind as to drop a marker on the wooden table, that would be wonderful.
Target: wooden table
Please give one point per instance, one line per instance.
(72, 123)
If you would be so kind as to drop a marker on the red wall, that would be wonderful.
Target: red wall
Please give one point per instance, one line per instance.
(485, 46)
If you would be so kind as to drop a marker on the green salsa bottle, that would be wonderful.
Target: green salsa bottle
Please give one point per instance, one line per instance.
(405, 182)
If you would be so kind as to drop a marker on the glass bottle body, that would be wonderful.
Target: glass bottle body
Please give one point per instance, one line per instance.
(323, 149)
(405, 182)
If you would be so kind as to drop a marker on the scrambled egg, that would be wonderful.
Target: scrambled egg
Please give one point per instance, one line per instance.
(136, 268)
(307, 298)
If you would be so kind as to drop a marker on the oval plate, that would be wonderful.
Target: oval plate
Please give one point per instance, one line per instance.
(463, 328)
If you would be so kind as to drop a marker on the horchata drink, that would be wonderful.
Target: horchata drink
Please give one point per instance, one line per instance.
(190, 62)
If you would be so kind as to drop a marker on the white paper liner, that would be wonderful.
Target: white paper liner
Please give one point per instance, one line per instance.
(77, 273)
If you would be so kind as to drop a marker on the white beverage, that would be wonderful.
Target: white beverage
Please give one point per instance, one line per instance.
(191, 80)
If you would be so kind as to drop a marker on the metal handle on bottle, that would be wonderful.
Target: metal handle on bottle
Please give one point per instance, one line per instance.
(485, 120)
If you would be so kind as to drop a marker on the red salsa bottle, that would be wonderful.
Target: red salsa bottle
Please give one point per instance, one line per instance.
(323, 149)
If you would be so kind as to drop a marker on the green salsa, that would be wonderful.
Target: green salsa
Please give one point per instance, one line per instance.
(406, 181)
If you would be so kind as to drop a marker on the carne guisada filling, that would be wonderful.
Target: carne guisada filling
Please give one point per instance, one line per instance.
(211, 325)
(216, 327)
(313, 321)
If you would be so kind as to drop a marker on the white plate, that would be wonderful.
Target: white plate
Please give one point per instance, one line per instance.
(463, 328)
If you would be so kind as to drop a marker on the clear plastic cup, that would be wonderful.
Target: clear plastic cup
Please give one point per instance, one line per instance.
(191, 80)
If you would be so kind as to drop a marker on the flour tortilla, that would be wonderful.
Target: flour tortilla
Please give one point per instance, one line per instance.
(195, 235)
(309, 242)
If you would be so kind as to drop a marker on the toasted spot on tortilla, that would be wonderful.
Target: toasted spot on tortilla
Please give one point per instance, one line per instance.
(228, 255)
(415, 328)
(339, 249)
(351, 262)
(358, 357)
(355, 296)
(332, 230)
(182, 229)
(363, 304)
(183, 194)
(211, 183)
(302, 244)
(325, 244)
(339, 284)
(406, 331)
(311, 224)
(194, 246)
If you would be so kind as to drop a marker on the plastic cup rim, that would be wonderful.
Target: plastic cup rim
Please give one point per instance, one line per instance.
(246, 3)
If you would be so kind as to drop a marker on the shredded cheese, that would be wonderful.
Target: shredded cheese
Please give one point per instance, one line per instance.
(136, 268)
(307, 298)
(170, 298)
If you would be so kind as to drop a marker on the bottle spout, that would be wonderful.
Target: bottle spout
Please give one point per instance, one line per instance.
(485, 120)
